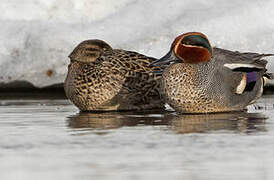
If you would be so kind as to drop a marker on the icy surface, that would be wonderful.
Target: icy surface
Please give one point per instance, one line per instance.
(50, 140)
(37, 36)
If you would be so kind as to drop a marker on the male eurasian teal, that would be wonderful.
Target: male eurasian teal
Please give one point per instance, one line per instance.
(104, 79)
(203, 79)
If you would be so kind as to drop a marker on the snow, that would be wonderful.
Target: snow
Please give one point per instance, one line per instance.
(37, 36)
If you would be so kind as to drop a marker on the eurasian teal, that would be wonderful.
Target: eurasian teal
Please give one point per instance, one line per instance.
(104, 79)
(203, 79)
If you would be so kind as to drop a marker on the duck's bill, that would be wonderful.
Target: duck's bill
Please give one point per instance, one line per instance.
(167, 59)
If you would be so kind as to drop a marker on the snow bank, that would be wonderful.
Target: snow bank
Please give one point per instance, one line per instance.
(36, 36)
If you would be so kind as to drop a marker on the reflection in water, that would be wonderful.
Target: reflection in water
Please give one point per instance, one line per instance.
(237, 121)
(110, 120)
(242, 122)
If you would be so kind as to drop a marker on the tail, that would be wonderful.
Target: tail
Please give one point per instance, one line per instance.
(267, 77)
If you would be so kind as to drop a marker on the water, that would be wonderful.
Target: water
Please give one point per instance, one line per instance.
(50, 139)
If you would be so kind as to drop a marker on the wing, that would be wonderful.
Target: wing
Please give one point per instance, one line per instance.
(251, 66)
(141, 81)
(246, 62)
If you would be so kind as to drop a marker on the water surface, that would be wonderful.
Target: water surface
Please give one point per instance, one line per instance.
(50, 139)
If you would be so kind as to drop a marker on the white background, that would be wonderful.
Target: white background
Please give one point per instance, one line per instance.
(37, 35)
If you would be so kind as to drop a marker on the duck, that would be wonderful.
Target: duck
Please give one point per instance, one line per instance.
(101, 78)
(206, 79)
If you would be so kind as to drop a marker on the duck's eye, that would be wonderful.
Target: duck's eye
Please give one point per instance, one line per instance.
(91, 49)
(186, 42)
(197, 40)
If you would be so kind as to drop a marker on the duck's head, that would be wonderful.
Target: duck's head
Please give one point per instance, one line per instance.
(89, 50)
(191, 47)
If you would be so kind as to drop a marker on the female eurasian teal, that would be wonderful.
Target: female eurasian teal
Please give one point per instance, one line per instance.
(104, 79)
(203, 79)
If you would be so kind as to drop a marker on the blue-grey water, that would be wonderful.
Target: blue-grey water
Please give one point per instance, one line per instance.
(50, 139)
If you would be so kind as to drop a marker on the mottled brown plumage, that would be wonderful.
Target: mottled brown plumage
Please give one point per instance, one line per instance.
(104, 79)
